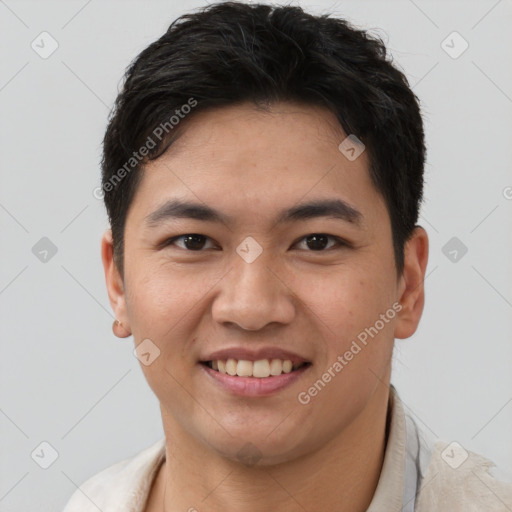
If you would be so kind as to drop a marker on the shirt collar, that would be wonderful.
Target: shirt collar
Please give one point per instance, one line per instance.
(389, 494)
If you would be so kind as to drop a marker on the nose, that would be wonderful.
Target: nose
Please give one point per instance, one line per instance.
(253, 295)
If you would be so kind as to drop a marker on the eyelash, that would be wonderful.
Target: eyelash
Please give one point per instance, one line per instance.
(340, 242)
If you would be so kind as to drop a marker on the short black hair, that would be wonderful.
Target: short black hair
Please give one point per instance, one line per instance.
(228, 53)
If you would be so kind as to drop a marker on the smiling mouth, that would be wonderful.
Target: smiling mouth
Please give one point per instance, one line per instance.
(260, 369)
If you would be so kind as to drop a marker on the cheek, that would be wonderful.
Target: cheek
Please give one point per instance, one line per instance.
(167, 304)
(158, 296)
(163, 307)
(348, 305)
(356, 341)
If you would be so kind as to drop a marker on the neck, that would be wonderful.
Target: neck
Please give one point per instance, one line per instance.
(342, 475)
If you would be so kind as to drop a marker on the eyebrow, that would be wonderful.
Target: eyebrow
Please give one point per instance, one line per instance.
(333, 208)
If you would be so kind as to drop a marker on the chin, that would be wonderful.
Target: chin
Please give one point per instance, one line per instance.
(258, 450)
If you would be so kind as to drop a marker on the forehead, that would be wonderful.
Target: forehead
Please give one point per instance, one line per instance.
(243, 160)
(270, 131)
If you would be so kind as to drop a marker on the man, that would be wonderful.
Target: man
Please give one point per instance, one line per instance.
(263, 174)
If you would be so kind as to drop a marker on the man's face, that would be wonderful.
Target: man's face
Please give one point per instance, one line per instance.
(309, 297)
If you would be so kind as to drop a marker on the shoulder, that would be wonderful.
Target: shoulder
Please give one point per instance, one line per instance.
(460, 481)
(120, 486)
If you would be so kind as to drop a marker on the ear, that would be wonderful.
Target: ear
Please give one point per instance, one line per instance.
(114, 282)
(410, 290)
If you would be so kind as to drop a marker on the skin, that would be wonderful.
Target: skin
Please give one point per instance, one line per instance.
(251, 164)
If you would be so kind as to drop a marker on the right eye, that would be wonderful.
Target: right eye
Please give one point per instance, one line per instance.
(191, 241)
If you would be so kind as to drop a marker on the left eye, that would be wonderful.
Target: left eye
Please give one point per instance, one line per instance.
(319, 241)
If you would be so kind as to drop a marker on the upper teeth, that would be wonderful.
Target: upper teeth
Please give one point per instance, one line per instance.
(261, 369)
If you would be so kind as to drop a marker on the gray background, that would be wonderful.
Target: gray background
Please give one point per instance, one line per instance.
(65, 379)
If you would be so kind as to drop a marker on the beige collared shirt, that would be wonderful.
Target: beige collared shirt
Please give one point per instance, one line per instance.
(418, 475)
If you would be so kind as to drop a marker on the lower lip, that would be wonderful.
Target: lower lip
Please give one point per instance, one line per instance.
(254, 386)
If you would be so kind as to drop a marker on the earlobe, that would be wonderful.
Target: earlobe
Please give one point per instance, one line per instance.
(119, 329)
(115, 287)
(411, 290)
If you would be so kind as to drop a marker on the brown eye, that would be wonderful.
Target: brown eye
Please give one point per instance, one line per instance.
(191, 242)
(319, 241)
